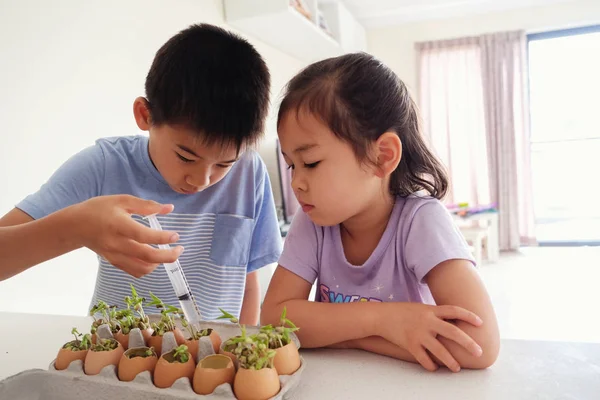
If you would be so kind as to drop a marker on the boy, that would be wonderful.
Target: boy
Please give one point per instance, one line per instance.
(206, 102)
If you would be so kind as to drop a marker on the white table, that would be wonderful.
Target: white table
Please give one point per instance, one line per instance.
(524, 370)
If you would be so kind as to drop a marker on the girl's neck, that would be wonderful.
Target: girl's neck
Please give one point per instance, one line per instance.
(372, 221)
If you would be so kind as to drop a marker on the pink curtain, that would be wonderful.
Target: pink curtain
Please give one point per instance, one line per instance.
(473, 96)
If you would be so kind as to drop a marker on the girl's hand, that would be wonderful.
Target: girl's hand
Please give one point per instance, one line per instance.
(415, 327)
(104, 225)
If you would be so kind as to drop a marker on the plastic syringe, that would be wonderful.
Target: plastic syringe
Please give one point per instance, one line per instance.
(178, 281)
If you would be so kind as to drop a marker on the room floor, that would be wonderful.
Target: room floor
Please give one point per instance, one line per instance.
(547, 293)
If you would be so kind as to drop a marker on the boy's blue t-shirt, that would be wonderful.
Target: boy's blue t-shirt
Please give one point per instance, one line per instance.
(227, 230)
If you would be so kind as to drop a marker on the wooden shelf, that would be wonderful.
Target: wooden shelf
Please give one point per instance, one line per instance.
(280, 25)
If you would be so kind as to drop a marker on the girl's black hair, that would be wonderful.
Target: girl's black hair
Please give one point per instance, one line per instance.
(359, 99)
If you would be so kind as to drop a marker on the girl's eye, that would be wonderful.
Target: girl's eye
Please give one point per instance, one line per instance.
(182, 158)
(290, 166)
(312, 165)
(224, 165)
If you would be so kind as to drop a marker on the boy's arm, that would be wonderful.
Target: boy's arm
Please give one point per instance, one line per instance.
(103, 224)
(251, 305)
(25, 242)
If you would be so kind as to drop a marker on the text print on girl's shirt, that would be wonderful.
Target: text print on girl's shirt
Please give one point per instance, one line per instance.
(329, 296)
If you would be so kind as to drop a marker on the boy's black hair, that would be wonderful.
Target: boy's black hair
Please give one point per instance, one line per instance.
(360, 99)
(212, 82)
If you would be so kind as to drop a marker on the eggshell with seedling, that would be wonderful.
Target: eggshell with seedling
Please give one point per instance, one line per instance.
(96, 360)
(67, 356)
(133, 361)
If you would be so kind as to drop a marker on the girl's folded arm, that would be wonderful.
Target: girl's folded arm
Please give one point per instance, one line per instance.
(321, 324)
(457, 283)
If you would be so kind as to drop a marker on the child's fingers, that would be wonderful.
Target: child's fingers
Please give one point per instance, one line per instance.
(459, 336)
(142, 234)
(454, 312)
(149, 254)
(132, 266)
(135, 205)
(438, 350)
(423, 358)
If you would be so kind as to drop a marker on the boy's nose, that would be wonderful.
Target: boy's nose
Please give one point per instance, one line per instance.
(199, 180)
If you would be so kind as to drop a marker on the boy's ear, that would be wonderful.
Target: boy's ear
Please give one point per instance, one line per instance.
(142, 114)
(389, 153)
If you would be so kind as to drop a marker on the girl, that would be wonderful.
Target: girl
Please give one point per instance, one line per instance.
(394, 275)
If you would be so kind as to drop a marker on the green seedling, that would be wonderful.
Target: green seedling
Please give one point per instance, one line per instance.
(279, 336)
(127, 319)
(81, 342)
(195, 334)
(109, 314)
(105, 345)
(141, 352)
(167, 316)
(179, 354)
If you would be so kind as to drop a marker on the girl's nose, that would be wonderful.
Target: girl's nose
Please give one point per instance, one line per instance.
(298, 184)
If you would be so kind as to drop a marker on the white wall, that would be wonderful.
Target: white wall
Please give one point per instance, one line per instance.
(395, 45)
(69, 72)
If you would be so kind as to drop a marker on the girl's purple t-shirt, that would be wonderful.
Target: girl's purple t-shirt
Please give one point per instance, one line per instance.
(420, 235)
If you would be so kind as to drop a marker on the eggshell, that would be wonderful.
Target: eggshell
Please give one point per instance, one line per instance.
(287, 359)
(211, 372)
(259, 384)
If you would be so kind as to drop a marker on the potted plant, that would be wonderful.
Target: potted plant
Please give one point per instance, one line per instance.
(104, 352)
(193, 342)
(166, 324)
(287, 359)
(127, 319)
(74, 350)
(173, 365)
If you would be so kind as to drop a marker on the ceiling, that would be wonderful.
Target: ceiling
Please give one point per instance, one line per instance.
(377, 13)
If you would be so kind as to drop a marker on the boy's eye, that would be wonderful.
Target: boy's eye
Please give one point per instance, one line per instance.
(182, 158)
(290, 166)
(224, 165)
(312, 165)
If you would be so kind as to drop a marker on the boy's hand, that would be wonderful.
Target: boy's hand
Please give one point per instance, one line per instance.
(104, 225)
(415, 327)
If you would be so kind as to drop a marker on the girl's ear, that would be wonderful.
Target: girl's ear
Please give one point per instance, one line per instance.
(388, 150)
(142, 114)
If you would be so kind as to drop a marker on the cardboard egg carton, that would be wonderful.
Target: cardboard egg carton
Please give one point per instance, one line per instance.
(74, 384)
